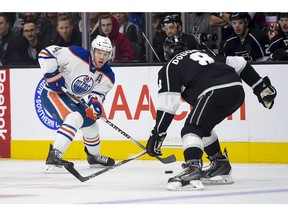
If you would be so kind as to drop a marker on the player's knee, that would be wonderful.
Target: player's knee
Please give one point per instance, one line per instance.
(208, 140)
(75, 119)
(192, 140)
(91, 131)
(187, 129)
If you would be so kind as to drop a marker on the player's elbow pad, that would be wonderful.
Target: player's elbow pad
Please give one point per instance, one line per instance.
(237, 62)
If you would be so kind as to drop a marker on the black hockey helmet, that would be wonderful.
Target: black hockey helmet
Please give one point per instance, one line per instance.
(172, 18)
(240, 16)
(282, 15)
(172, 46)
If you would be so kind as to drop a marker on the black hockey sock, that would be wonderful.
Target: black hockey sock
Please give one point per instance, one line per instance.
(193, 153)
(213, 148)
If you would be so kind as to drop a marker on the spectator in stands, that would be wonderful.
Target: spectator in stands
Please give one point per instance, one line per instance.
(172, 25)
(10, 52)
(74, 16)
(94, 25)
(125, 27)
(244, 41)
(279, 43)
(159, 36)
(123, 51)
(41, 24)
(138, 19)
(67, 34)
(11, 17)
(131, 31)
(32, 43)
(51, 19)
(271, 26)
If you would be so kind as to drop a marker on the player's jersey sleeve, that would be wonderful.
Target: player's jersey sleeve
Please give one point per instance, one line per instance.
(51, 58)
(169, 90)
(237, 62)
(243, 68)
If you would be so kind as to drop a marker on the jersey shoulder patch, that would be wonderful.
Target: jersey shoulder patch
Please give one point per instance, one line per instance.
(80, 52)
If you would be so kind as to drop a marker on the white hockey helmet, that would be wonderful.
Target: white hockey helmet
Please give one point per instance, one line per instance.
(102, 43)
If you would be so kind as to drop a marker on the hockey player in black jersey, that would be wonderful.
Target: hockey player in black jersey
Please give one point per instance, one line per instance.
(247, 42)
(213, 87)
(278, 45)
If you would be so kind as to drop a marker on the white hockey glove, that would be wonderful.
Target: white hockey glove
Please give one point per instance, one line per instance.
(155, 142)
(265, 92)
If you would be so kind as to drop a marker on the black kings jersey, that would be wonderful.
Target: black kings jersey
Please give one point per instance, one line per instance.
(189, 75)
(251, 48)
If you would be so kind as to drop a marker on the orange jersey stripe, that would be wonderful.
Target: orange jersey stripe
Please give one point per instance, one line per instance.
(44, 53)
(56, 100)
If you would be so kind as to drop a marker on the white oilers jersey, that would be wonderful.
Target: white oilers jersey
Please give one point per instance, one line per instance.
(82, 78)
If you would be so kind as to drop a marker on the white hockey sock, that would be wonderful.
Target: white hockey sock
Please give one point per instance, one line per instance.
(65, 134)
(210, 140)
(91, 138)
(192, 140)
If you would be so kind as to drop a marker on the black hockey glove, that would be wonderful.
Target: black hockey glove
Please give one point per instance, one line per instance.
(265, 93)
(154, 143)
(279, 55)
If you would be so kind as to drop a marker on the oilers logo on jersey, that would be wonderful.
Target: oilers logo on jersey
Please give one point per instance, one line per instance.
(82, 84)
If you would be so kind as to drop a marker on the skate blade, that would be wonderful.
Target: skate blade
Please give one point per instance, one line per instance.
(194, 185)
(218, 180)
(54, 169)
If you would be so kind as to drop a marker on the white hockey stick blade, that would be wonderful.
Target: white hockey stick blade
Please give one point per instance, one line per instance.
(218, 180)
(54, 169)
(194, 185)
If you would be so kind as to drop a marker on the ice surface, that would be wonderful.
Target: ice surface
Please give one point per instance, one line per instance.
(138, 182)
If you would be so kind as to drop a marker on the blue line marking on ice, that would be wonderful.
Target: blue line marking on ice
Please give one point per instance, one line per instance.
(284, 190)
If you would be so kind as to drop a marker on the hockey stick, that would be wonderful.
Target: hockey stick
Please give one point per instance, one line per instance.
(166, 160)
(81, 178)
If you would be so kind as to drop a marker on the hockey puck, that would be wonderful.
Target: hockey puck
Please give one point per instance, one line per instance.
(168, 171)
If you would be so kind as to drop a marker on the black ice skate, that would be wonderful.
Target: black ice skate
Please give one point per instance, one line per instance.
(54, 161)
(189, 179)
(219, 170)
(98, 161)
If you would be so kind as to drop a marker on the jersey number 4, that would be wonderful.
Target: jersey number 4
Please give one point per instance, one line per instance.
(201, 58)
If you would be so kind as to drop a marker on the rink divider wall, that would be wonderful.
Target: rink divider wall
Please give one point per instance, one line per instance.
(252, 134)
(238, 152)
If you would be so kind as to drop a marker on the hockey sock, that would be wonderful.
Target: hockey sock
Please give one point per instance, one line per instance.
(211, 144)
(67, 131)
(193, 146)
(91, 138)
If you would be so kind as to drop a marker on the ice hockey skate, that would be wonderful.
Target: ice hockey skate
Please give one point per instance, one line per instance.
(54, 162)
(189, 179)
(98, 161)
(218, 171)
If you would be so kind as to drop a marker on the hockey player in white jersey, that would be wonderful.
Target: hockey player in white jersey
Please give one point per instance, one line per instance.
(83, 74)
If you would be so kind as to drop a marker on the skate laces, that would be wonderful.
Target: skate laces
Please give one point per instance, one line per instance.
(58, 154)
(211, 166)
(101, 158)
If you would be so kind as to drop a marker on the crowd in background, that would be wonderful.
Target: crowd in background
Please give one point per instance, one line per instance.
(255, 36)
